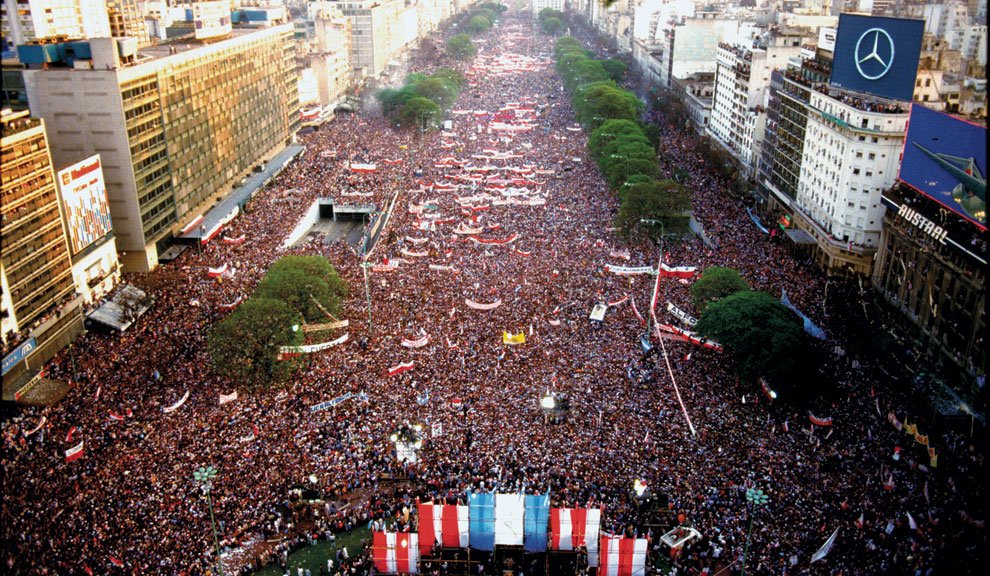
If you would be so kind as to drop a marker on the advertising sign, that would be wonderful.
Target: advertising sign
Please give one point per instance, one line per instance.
(877, 55)
(211, 19)
(826, 39)
(19, 353)
(946, 159)
(84, 197)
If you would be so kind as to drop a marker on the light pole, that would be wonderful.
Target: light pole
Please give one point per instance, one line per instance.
(757, 499)
(204, 479)
(659, 268)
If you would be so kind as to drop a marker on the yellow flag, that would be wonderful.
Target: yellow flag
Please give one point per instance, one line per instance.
(512, 339)
(911, 429)
(921, 439)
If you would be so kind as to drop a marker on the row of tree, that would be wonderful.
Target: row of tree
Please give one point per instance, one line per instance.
(295, 291)
(624, 147)
(422, 100)
(551, 21)
(483, 17)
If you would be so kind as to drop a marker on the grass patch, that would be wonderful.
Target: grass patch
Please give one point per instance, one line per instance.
(315, 557)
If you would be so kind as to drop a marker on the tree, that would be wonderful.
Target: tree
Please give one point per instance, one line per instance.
(616, 69)
(461, 47)
(309, 285)
(453, 77)
(392, 100)
(763, 337)
(420, 112)
(662, 200)
(244, 346)
(609, 131)
(552, 26)
(478, 24)
(714, 284)
(584, 72)
(438, 90)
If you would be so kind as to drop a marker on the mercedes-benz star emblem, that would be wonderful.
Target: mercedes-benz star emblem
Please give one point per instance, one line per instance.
(874, 53)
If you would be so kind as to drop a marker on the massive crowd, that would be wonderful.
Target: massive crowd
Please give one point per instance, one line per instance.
(130, 504)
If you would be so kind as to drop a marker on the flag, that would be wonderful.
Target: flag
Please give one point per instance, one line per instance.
(116, 562)
(932, 457)
(819, 421)
(87, 570)
(622, 556)
(509, 512)
(537, 509)
(786, 429)
(446, 524)
(395, 552)
(224, 398)
(481, 519)
(571, 528)
(400, 368)
(824, 550)
(859, 521)
(513, 339)
(911, 523)
(74, 453)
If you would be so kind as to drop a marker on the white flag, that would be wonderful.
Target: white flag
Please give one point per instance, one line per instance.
(911, 522)
(824, 550)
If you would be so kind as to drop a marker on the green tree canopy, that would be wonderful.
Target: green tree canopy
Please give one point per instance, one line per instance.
(552, 26)
(244, 346)
(461, 47)
(714, 284)
(453, 77)
(495, 7)
(584, 72)
(478, 24)
(609, 131)
(763, 337)
(662, 200)
(392, 100)
(439, 90)
(309, 285)
(616, 69)
(419, 112)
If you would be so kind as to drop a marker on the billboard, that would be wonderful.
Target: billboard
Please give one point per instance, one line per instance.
(877, 55)
(826, 39)
(211, 19)
(84, 197)
(946, 159)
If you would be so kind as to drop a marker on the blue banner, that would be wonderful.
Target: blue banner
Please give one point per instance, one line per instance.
(535, 521)
(809, 326)
(482, 521)
(19, 353)
(756, 221)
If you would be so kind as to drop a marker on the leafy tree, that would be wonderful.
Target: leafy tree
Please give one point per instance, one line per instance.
(495, 7)
(609, 131)
(663, 200)
(552, 26)
(454, 77)
(584, 72)
(568, 60)
(714, 284)
(653, 134)
(438, 90)
(419, 112)
(414, 78)
(603, 103)
(392, 99)
(244, 346)
(762, 335)
(308, 285)
(478, 24)
(616, 69)
(461, 47)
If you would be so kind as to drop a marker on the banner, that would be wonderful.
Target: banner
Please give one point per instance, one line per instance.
(231, 305)
(686, 272)
(513, 339)
(826, 547)
(239, 240)
(412, 254)
(509, 512)
(535, 522)
(809, 326)
(225, 398)
(400, 368)
(445, 524)
(481, 519)
(572, 528)
(178, 404)
(508, 240)
(310, 348)
(74, 453)
(819, 421)
(681, 314)
(36, 428)
(629, 270)
(417, 343)
(326, 326)
(756, 220)
(479, 306)
(395, 552)
(215, 272)
(362, 168)
(622, 556)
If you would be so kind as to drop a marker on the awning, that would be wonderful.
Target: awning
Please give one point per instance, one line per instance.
(126, 306)
(800, 237)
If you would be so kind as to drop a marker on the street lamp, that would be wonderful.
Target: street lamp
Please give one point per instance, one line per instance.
(203, 477)
(651, 221)
(757, 499)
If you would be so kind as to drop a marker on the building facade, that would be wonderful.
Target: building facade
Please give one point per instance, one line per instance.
(24, 21)
(177, 125)
(41, 312)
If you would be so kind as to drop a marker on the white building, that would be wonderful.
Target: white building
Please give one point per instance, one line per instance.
(741, 81)
(851, 154)
(24, 21)
(380, 30)
(539, 5)
(331, 62)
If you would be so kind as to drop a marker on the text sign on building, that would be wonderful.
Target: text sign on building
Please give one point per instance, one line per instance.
(19, 353)
(84, 197)
(946, 159)
(877, 55)
(826, 39)
(211, 19)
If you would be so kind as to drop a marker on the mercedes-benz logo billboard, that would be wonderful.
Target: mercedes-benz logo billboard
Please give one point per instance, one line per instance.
(874, 53)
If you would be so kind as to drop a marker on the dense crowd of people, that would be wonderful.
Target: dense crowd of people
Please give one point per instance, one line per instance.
(131, 505)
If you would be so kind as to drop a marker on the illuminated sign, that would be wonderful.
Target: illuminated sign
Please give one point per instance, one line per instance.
(877, 55)
(946, 159)
(211, 19)
(84, 198)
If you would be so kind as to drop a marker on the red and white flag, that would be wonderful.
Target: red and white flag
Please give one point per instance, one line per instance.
(224, 398)
(622, 556)
(400, 368)
(819, 421)
(443, 523)
(74, 453)
(395, 552)
(116, 562)
(572, 528)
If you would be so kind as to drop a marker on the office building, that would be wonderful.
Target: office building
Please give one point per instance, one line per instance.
(25, 21)
(40, 310)
(177, 125)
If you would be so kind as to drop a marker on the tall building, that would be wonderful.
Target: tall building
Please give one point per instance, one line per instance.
(380, 30)
(126, 20)
(330, 61)
(177, 125)
(24, 21)
(40, 310)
